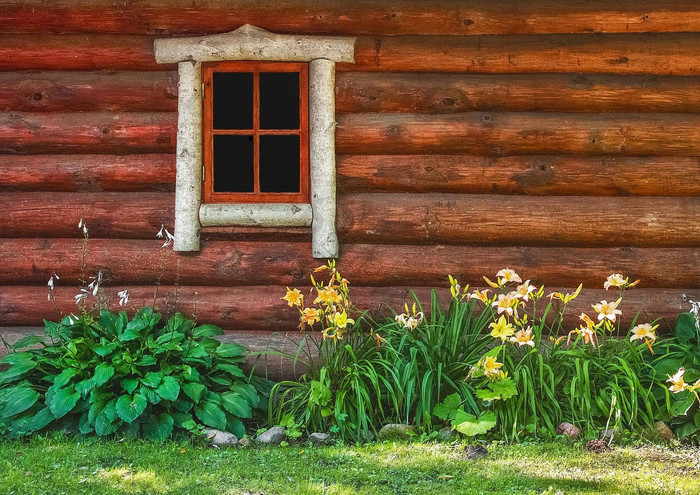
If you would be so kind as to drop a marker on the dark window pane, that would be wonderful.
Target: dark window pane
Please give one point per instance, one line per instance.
(279, 163)
(279, 100)
(233, 164)
(233, 100)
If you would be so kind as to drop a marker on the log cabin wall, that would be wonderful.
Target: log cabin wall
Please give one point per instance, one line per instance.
(560, 139)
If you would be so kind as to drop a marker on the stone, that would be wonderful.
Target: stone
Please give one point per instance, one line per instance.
(219, 438)
(447, 433)
(476, 451)
(596, 446)
(245, 442)
(663, 431)
(320, 439)
(396, 431)
(273, 436)
(569, 430)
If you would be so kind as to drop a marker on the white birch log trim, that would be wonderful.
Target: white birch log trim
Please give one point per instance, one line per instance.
(322, 157)
(253, 43)
(256, 215)
(188, 179)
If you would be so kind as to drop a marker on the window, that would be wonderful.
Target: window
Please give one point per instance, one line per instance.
(291, 181)
(255, 132)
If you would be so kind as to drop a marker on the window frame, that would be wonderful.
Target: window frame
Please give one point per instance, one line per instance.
(210, 196)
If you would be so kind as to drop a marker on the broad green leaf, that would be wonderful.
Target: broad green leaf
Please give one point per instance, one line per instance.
(248, 391)
(129, 335)
(221, 380)
(685, 328)
(193, 391)
(103, 425)
(129, 408)
(681, 407)
(63, 401)
(104, 350)
(448, 408)
(84, 387)
(231, 350)
(470, 425)
(189, 425)
(28, 341)
(183, 405)
(236, 405)
(210, 414)
(687, 430)
(206, 331)
(19, 400)
(169, 389)
(84, 425)
(103, 372)
(235, 426)
(110, 410)
(130, 384)
(40, 420)
(16, 370)
(147, 360)
(152, 379)
(504, 389)
(99, 402)
(231, 369)
(158, 428)
(150, 394)
(180, 417)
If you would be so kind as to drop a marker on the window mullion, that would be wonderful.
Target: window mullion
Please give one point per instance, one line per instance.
(256, 129)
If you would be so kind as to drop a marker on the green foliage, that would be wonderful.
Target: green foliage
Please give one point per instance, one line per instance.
(137, 377)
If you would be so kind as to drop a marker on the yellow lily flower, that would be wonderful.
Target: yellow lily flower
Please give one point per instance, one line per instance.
(607, 310)
(507, 303)
(677, 382)
(341, 320)
(491, 367)
(501, 329)
(309, 316)
(566, 298)
(294, 297)
(328, 296)
(617, 280)
(523, 337)
(481, 295)
(646, 333)
(523, 291)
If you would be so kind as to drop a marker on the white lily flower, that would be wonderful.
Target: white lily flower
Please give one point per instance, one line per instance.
(81, 296)
(169, 238)
(159, 235)
(123, 297)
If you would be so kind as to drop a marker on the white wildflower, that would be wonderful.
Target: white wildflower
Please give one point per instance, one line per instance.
(123, 297)
(82, 295)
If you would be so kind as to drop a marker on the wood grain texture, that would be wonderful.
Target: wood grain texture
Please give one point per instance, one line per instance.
(112, 133)
(55, 91)
(87, 173)
(518, 220)
(241, 263)
(460, 17)
(664, 54)
(456, 93)
(540, 175)
(491, 133)
(240, 307)
(660, 54)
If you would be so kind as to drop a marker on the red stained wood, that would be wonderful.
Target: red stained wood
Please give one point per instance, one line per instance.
(108, 215)
(521, 220)
(668, 54)
(240, 308)
(241, 263)
(486, 133)
(55, 91)
(361, 16)
(88, 133)
(87, 173)
(534, 175)
(455, 93)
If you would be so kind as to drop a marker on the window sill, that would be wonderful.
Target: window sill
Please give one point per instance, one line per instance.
(256, 215)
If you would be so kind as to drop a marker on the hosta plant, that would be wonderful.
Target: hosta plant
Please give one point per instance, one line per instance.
(138, 378)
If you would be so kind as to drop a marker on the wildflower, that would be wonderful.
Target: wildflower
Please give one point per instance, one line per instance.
(566, 298)
(456, 288)
(523, 337)
(293, 297)
(341, 320)
(491, 367)
(82, 295)
(309, 316)
(82, 226)
(587, 332)
(410, 319)
(94, 286)
(523, 291)
(321, 268)
(380, 340)
(50, 284)
(646, 333)
(481, 295)
(607, 310)
(507, 303)
(123, 297)
(504, 276)
(617, 280)
(328, 296)
(501, 329)
(164, 234)
(677, 382)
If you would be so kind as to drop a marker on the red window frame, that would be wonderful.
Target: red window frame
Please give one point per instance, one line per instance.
(211, 196)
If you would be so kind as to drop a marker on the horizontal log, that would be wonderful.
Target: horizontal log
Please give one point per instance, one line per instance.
(360, 16)
(667, 54)
(533, 175)
(88, 133)
(241, 263)
(78, 52)
(261, 308)
(487, 133)
(455, 93)
(84, 173)
(111, 215)
(518, 220)
(88, 91)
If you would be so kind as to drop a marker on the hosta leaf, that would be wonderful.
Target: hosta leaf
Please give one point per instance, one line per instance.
(248, 391)
(103, 372)
(221, 380)
(151, 379)
(231, 369)
(681, 407)
(84, 387)
(158, 428)
(63, 401)
(231, 350)
(84, 425)
(448, 407)
(686, 430)
(19, 400)
(180, 417)
(104, 350)
(28, 341)
(130, 384)
(40, 420)
(685, 328)
(235, 426)
(183, 405)
(150, 394)
(470, 425)
(236, 405)
(193, 391)
(16, 370)
(129, 335)
(206, 331)
(210, 414)
(169, 389)
(129, 408)
(103, 425)
(147, 360)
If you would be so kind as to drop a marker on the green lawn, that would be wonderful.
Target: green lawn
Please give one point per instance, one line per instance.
(55, 466)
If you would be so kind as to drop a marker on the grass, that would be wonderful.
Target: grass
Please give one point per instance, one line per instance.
(59, 466)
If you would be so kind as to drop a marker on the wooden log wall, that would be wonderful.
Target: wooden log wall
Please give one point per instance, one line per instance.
(561, 139)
